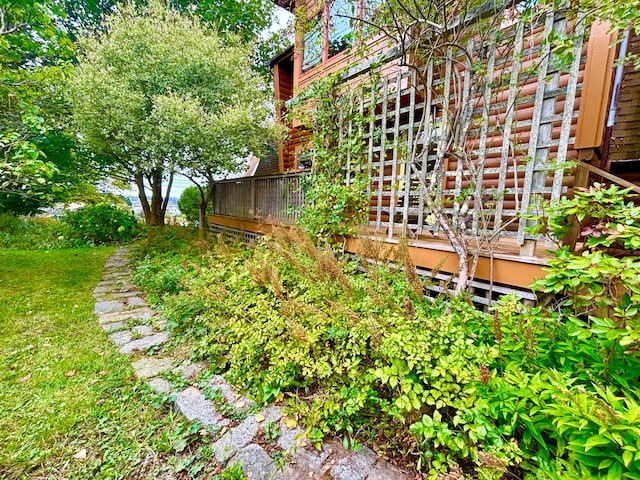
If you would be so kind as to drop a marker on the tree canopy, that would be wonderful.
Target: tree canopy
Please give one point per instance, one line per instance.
(158, 92)
(39, 163)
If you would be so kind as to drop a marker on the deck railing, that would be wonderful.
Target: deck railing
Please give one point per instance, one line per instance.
(273, 199)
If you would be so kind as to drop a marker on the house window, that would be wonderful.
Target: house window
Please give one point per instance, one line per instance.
(312, 41)
(340, 32)
(332, 32)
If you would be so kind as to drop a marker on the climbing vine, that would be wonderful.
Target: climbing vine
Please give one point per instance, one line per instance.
(339, 120)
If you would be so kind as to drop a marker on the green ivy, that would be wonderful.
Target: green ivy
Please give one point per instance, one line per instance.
(334, 206)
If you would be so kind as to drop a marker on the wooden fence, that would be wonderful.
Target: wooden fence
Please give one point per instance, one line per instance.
(273, 199)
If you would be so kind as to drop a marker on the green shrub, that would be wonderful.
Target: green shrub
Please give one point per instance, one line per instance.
(20, 233)
(12, 224)
(188, 204)
(549, 391)
(160, 276)
(101, 223)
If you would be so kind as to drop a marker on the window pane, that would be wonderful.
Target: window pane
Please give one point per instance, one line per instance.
(312, 46)
(341, 14)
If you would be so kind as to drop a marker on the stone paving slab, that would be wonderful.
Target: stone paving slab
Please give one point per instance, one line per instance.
(108, 306)
(138, 313)
(383, 470)
(109, 295)
(226, 390)
(121, 338)
(234, 440)
(114, 287)
(355, 466)
(144, 330)
(289, 437)
(272, 413)
(193, 405)
(308, 464)
(256, 463)
(148, 367)
(136, 302)
(190, 371)
(159, 385)
(143, 343)
(116, 275)
(109, 327)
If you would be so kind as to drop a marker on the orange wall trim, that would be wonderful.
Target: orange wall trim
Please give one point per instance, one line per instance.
(506, 271)
(241, 224)
(597, 86)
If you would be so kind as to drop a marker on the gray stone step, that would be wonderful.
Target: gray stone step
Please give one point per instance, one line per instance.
(256, 463)
(148, 367)
(142, 344)
(234, 440)
(137, 313)
(194, 406)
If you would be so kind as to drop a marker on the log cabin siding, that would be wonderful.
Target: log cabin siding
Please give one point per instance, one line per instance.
(624, 149)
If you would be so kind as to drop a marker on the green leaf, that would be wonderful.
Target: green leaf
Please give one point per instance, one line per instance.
(596, 441)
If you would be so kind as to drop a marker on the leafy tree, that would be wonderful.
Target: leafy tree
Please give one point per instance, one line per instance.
(32, 55)
(188, 203)
(157, 92)
(246, 18)
(39, 161)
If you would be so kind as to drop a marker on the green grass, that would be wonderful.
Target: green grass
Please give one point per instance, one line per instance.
(64, 389)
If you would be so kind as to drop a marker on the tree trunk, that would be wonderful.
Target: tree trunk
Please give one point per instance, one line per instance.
(157, 212)
(205, 197)
(457, 240)
(142, 195)
(202, 220)
(165, 203)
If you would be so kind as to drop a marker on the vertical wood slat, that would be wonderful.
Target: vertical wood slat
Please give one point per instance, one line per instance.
(427, 121)
(409, 150)
(372, 127)
(567, 114)
(535, 127)
(479, 175)
(508, 124)
(445, 121)
(394, 161)
(349, 132)
(361, 128)
(383, 147)
(459, 165)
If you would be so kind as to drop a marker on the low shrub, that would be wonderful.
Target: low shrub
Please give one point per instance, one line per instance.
(101, 223)
(23, 233)
(548, 391)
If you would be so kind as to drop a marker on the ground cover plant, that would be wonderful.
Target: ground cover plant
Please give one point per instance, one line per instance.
(355, 349)
(69, 404)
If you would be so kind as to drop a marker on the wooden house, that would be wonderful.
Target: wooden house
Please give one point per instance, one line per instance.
(529, 124)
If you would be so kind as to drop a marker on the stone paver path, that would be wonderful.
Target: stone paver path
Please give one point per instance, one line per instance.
(135, 328)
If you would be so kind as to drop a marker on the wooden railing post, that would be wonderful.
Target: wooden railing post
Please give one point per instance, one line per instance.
(252, 196)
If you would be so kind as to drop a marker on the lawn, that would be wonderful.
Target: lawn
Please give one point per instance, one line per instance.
(70, 406)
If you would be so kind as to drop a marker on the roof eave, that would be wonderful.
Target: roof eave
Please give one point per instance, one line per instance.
(286, 4)
(281, 56)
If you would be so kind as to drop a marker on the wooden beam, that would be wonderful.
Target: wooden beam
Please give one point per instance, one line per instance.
(596, 87)
(518, 272)
(612, 178)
